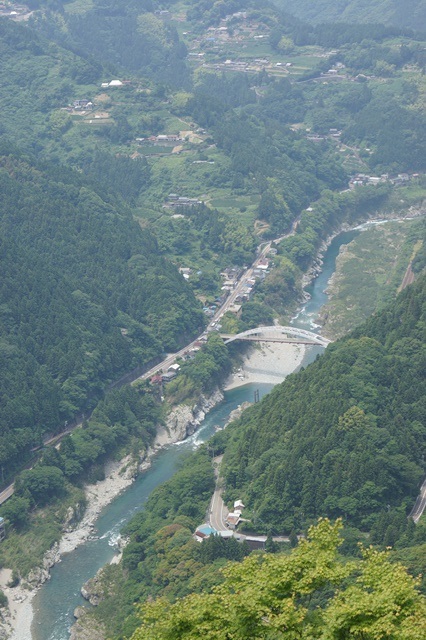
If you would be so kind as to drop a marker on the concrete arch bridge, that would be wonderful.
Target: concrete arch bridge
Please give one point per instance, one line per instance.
(278, 334)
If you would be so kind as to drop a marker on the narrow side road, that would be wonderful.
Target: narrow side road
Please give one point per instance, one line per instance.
(219, 511)
(420, 504)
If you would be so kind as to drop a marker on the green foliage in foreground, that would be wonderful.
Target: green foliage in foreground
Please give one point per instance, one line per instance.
(311, 594)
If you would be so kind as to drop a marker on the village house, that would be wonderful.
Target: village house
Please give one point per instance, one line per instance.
(232, 520)
(168, 377)
(83, 104)
(235, 309)
(181, 201)
(263, 264)
(167, 137)
(185, 272)
(174, 367)
(255, 542)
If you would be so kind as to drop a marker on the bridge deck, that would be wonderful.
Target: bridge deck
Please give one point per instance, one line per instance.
(271, 339)
(277, 333)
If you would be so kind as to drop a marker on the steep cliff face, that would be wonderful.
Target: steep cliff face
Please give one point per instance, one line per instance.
(90, 630)
(184, 420)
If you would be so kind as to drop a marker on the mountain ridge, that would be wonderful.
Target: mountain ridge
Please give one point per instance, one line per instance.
(411, 13)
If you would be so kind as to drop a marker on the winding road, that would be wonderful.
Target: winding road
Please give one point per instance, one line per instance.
(219, 511)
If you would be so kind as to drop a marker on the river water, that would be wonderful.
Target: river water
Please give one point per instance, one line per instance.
(54, 604)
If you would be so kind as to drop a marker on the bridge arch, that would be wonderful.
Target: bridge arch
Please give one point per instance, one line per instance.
(277, 331)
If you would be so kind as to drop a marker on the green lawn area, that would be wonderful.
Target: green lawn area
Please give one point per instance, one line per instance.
(242, 206)
(147, 150)
(78, 6)
(174, 124)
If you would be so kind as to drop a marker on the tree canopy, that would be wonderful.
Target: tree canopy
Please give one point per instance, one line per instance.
(311, 594)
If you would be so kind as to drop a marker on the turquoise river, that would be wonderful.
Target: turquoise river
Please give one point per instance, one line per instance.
(54, 604)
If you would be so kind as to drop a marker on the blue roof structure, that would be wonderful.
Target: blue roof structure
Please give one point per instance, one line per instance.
(206, 529)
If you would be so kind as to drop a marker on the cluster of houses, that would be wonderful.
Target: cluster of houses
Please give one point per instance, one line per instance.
(82, 105)
(237, 27)
(162, 139)
(164, 14)
(115, 83)
(169, 375)
(317, 137)
(174, 200)
(233, 518)
(362, 179)
(205, 530)
(232, 275)
(243, 65)
(335, 72)
(210, 309)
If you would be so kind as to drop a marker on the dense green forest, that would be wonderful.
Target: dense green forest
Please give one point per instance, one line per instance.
(345, 437)
(125, 420)
(84, 298)
(88, 293)
(410, 13)
(90, 246)
(125, 35)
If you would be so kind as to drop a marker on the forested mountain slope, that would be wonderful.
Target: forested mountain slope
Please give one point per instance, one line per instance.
(84, 296)
(410, 13)
(125, 35)
(345, 437)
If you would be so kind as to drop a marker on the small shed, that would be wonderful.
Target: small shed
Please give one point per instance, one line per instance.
(256, 542)
(232, 520)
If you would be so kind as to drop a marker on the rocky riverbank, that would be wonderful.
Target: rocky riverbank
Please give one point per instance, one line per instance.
(182, 422)
(95, 590)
